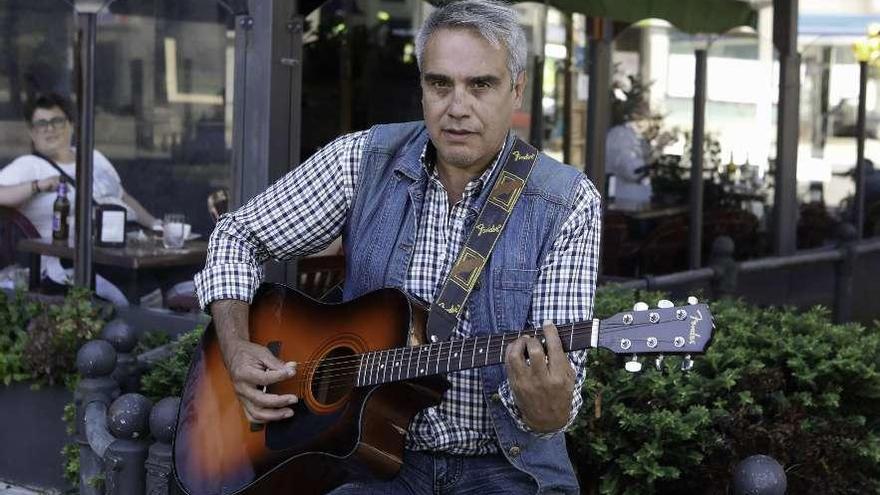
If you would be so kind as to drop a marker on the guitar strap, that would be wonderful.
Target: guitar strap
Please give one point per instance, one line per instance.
(448, 306)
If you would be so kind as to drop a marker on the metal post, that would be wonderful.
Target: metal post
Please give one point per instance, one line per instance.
(264, 99)
(822, 72)
(536, 129)
(268, 75)
(536, 105)
(785, 24)
(82, 265)
(844, 273)
(859, 200)
(243, 26)
(695, 227)
(568, 88)
(599, 104)
(296, 28)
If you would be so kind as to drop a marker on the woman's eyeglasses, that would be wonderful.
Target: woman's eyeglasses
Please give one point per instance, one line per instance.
(55, 123)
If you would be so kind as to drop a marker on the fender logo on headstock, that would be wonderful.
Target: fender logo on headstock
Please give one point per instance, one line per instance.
(693, 335)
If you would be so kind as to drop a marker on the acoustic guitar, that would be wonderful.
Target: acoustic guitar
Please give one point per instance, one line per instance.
(361, 377)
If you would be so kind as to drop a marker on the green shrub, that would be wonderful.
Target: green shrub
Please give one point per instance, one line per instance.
(167, 376)
(774, 381)
(15, 313)
(39, 340)
(56, 334)
(151, 340)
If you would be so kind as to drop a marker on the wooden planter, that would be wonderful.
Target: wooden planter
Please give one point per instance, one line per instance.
(32, 434)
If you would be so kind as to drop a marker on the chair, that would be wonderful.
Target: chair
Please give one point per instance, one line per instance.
(617, 250)
(872, 219)
(739, 225)
(13, 227)
(317, 275)
(665, 250)
(815, 226)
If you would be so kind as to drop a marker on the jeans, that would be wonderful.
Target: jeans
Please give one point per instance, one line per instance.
(438, 474)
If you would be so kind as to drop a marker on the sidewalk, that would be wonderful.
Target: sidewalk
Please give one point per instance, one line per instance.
(7, 489)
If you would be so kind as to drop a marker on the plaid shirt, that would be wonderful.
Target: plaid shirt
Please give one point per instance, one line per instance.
(287, 221)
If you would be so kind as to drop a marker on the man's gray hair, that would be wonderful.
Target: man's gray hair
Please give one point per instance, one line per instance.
(497, 23)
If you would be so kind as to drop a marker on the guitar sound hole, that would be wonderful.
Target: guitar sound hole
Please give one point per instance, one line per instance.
(334, 377)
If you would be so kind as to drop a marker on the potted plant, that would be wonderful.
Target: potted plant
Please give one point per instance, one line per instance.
(38, 344)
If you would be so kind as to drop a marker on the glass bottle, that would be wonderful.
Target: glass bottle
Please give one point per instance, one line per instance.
(60, 212)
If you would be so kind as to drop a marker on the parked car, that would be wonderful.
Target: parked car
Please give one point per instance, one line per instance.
(843, 116)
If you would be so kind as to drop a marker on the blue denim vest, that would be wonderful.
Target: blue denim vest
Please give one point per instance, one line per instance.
(379, 237)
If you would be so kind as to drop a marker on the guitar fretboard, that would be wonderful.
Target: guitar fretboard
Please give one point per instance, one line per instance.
(405, 363)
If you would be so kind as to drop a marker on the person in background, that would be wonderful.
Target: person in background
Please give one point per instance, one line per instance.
(30, 183)
(626, 155)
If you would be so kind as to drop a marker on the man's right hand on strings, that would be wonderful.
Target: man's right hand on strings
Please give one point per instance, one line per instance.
(251, 367)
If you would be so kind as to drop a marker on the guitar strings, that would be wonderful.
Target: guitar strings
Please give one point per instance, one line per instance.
(564, 334)
(343, 377)
(355, 361)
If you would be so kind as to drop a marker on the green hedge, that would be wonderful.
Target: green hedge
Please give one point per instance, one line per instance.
(775, 381)
(39, 340)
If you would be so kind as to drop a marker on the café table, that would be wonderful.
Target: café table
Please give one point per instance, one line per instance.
(648, 211)
(136, 259)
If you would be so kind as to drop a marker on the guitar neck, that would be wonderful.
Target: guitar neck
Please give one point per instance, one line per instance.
(405, 363)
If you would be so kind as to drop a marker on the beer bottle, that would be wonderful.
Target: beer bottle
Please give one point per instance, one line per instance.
(60, 212)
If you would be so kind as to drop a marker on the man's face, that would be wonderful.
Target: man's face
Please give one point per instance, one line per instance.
(467, 97)
(50, 130)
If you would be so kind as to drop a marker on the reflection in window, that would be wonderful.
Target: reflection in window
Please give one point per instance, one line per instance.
(163, 80)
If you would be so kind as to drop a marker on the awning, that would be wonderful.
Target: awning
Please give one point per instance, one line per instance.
(691, 16)
(855, 26)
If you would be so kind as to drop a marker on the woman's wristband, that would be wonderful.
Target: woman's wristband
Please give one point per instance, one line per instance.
(35, 187)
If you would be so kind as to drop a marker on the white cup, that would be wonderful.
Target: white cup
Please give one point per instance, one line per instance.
(175, 230)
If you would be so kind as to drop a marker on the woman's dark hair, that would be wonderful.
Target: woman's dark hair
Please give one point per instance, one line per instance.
(48, 101)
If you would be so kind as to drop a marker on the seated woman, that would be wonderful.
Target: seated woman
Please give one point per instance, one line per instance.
(30, 183)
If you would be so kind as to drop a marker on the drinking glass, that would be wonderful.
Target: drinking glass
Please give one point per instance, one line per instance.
(174, 230)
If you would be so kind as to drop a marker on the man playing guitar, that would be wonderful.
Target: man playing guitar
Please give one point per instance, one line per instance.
(404, 198)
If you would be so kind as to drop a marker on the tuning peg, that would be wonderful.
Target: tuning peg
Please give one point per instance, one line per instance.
(687, 363)
(633, 366)
(665, 303)
(640, 306)
(692, 300)
(658, 363)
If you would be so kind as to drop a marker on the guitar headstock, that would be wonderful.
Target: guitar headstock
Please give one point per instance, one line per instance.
(667, 329)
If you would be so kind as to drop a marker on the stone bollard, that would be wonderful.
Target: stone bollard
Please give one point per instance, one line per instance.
(95, 361)
(725, 267)
(847, 237)
(163, 419)
(123, 338)
(128, 419)
(759, 475)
